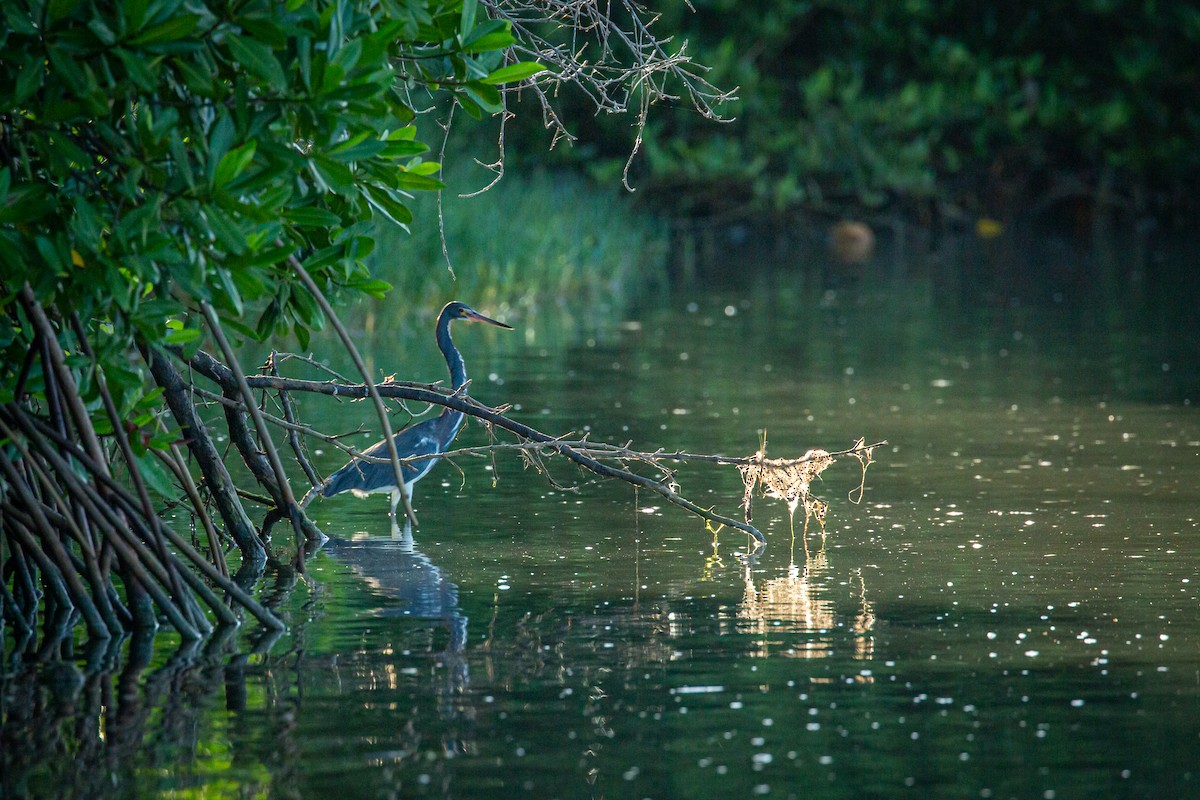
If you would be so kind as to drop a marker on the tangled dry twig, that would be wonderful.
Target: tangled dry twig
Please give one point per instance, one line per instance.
(791, 479)
(610, 53)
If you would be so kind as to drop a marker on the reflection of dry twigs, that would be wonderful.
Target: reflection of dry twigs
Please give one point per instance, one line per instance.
(713, 562)
(799, 597)
(790, 598)
(864, 623)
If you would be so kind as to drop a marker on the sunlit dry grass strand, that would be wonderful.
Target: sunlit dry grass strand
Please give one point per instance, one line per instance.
(862, 452)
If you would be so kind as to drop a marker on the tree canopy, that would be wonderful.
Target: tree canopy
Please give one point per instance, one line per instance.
(177, 178)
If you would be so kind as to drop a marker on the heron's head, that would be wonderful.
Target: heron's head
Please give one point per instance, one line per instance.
(462, 311)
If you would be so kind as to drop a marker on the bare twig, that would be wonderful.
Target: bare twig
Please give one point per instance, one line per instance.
(610, 53)
(289, 415)
(286, 499)
(369, 384)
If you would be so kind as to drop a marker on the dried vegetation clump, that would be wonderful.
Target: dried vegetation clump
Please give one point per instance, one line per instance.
(791, 479)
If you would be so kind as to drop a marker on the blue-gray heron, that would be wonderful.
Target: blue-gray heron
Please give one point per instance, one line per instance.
(363, 477)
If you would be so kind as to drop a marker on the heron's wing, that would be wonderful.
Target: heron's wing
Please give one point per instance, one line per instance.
(369, 476)
(419, 440)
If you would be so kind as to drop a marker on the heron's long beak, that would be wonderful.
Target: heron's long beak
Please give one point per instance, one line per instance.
(475, 316)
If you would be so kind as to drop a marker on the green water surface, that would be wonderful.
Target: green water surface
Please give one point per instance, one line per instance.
(1009, 612)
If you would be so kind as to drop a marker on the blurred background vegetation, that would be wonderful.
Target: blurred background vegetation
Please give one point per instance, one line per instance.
(536, 237)
(936, 112)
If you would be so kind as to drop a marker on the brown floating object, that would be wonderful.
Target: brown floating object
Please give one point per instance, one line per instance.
(851, 242)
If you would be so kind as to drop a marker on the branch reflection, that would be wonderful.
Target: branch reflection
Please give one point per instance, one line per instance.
(78, 725)
(378, 674)
(800, 601)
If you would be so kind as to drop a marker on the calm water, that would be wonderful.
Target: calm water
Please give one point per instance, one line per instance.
(1011, 611)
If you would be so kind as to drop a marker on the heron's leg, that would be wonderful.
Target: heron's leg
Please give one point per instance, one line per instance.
(395, 502)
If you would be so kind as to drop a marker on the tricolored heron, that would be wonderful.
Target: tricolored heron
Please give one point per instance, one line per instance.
(363, 477)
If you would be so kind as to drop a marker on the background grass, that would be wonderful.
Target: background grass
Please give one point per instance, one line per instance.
(532, 241)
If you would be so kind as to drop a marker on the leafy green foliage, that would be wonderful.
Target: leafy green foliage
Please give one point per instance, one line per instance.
(156, 154)
(860, 102)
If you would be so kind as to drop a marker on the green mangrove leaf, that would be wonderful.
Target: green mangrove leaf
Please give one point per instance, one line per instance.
(170, 30)
(259, 59)
(514, 72)
(233, 163)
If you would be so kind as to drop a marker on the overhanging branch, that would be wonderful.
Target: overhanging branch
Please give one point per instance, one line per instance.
(590, 456)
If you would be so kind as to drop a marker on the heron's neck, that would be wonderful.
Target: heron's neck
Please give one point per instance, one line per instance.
(454, 360)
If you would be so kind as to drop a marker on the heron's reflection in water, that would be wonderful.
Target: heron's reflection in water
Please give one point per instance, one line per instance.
(432, 631)
(396, 569)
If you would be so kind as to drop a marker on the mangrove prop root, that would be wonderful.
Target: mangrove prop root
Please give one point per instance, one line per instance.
(76, 542)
